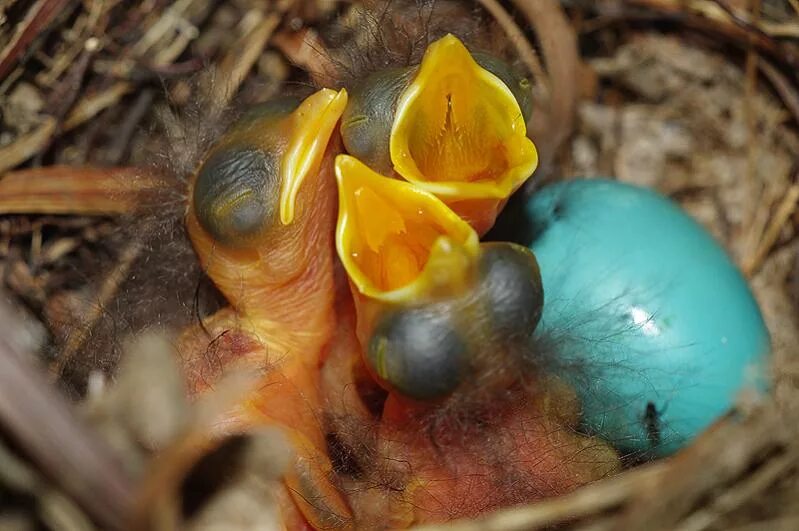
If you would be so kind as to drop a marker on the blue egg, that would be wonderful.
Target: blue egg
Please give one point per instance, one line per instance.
(657, 328)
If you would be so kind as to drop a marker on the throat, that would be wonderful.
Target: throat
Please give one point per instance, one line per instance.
(297, 317)
(461, 154)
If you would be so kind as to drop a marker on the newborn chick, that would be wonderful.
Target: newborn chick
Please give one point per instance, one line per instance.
(261, 216)
(472, 417)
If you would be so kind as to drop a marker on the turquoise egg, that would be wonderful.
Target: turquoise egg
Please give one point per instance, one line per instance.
(656, 328)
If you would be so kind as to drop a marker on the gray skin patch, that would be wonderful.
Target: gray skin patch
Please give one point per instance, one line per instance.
(426, 352)
(518, 84)
(511, 286)
(367, 120)
(419, 352)
(236, 194)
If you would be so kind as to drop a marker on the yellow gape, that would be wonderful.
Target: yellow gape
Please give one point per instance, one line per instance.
(459, 133)
(396, 241)
(453, 125)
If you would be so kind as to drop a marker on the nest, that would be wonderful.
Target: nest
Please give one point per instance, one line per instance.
(698, 99)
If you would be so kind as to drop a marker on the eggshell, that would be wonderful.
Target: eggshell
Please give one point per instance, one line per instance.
(656, 327)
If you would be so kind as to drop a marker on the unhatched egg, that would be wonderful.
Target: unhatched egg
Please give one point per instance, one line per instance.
(658, 329)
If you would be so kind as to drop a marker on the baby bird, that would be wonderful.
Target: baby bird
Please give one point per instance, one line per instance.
(472, 419)
(261, 218)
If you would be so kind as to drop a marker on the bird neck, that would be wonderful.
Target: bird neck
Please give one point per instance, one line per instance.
(296, 316)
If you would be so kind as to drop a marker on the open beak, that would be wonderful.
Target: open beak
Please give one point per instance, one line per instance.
(398, 242)
(312, 125)
(459, 133)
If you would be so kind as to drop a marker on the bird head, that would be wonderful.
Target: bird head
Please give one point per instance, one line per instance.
(454, 126)
(261, 212)
(435, 308)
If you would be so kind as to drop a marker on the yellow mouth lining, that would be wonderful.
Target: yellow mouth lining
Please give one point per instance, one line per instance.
(397, 242)
(458, 131)
(313, 123)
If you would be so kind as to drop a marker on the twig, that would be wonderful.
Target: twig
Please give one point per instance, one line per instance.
(167, 22)
(63, 96)
(526, 51)
(663, 494)
(755, 484)
(234, 67)
(74, 190)
(38, 17)
(781, 217)
(559, 48)
(592, 500)
(90, 106)
(83, 38)
(305, 49)
(134, 115)
(752, 27)
(26, 146)
(737, 34)
(726, 454)
(786, 90)
(172, 19)
(786, 30)
(757, 219)
(783, 523)
(45, 427)
(157, 502)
